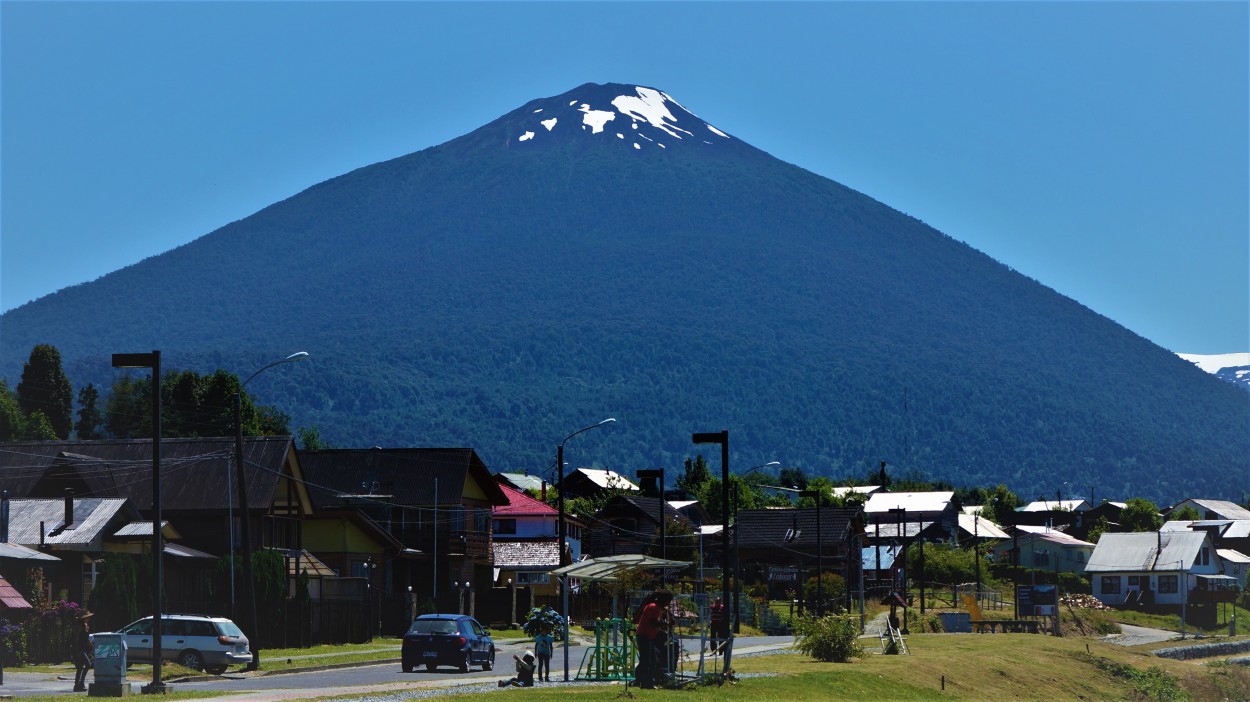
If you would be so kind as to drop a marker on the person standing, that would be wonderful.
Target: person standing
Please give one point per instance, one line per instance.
(83, 653)
(653, 621)
(544, 643)
(718, 626)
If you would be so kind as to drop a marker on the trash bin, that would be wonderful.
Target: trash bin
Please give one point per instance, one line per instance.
(110, 667)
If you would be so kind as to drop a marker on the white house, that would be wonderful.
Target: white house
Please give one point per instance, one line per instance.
(1045, 549)
(1160, 567)
(1213, 509)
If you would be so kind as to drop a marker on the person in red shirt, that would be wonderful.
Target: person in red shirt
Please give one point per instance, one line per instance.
(653, 621)
(718, 626)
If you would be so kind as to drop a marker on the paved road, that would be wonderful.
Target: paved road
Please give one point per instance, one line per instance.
(1131, 635)
(362, 678)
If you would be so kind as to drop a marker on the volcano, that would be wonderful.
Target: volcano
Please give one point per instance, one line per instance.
(606, 252)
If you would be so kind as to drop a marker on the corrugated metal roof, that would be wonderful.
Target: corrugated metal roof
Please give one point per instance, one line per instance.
(193, 471)
(762, 528)
(1229, 554)
(522, 481)
(1222, 508)
(1230, 528)
(92, 517)
(1145, 551)
(607, 479)
(10, 598)
(520, 504)
(880, 503)
(1052, 505)
(143, 530)
(186, 552)
(18, 552)
(981, 527)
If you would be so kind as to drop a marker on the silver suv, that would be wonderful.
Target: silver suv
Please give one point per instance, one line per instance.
(193, 641)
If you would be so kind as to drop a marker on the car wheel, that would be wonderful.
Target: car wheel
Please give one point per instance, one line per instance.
(429, 667)
(407, 667)
(489, 662)
(464, 664)
(191, 659)
(215, 670)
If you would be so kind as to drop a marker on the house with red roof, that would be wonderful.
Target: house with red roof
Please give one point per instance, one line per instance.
(525, 541)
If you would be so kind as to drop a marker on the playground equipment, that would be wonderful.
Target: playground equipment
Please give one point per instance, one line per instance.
(614, 653)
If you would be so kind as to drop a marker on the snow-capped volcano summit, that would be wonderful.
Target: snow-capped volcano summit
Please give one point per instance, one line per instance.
(638, 117)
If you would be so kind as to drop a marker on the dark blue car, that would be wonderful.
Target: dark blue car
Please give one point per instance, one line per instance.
(447, 639)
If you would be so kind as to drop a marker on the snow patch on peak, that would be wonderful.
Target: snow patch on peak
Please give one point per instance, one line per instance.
(1215, 363)
(596, 118)
(549, 123)
(649, 106)
(526, 136)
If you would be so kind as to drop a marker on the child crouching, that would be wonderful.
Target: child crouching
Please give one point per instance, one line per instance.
(524, 671)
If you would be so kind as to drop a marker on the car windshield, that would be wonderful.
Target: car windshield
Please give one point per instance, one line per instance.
(434, 626)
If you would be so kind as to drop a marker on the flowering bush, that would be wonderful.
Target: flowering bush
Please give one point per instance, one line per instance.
(13, 649)
(544, 617)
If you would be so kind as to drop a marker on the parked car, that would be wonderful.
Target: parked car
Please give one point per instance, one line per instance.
(198, 642)
(447, 639)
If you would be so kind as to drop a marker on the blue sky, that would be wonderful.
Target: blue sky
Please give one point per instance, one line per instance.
(1099, 148)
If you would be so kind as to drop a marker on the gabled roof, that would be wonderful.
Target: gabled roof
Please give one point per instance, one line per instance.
(976, 525)
(18, 552)
(605, 479)
(92, 519)
(1077, 505)
(533, 555)
(1168, 551)
(10, 598)
(1232, 556)
(775, 528)
(1224, 528)
(522, 505)
(880, 503)
(403, 476)
(521, 481)
(1222, 508)
(1054, 537)
(646, 508)
(193, 471)
(843, 491)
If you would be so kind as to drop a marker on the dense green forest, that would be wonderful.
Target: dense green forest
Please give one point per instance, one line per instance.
(478, 295)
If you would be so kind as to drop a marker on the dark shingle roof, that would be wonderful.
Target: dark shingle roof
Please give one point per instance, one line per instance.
(405, 474)
(193, 471)
(763, 528)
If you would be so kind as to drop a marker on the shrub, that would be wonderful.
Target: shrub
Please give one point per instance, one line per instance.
(544, 617)
(830, 638)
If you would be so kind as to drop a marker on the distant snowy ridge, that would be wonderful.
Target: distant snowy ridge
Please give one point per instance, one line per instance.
(1233, 367)
(639, 115)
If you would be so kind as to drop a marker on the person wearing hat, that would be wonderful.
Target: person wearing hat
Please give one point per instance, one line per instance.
(83, 653)
(524, 671)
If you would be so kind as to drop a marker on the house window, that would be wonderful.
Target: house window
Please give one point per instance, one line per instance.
(1080, 556)
(1168, 584)
(1204, 556)
(1110, 584)
(1041, 559)
(505, 526)
(524, 578)
(457, 518)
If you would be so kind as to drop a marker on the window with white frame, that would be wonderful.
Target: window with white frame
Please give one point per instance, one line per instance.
(529, 578)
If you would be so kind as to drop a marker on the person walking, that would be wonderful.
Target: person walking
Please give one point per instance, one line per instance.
(653, 621)
(83, 653)
(718, 626)
(544, 643)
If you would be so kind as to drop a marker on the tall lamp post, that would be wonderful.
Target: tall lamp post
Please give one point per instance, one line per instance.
(737, 561)
(153, 361)
(820, 564)
(722, 437)
(249, 583)
(564, 588)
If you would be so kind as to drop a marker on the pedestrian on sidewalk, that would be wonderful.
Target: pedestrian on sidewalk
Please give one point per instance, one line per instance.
(544, 643)
(82, 653)
(653, 622)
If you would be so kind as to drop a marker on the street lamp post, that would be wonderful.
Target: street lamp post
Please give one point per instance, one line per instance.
(245, 532)
(564, 588)
(153, 361)
(722, 437)
(737, 560)
(820, 565)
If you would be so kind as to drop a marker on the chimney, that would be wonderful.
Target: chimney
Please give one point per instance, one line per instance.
(4, 517)
(69, 508)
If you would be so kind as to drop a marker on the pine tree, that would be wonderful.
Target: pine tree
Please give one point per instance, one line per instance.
(45, 388)
(88, 426)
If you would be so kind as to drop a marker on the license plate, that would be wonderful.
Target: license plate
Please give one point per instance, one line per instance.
(430, 654)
